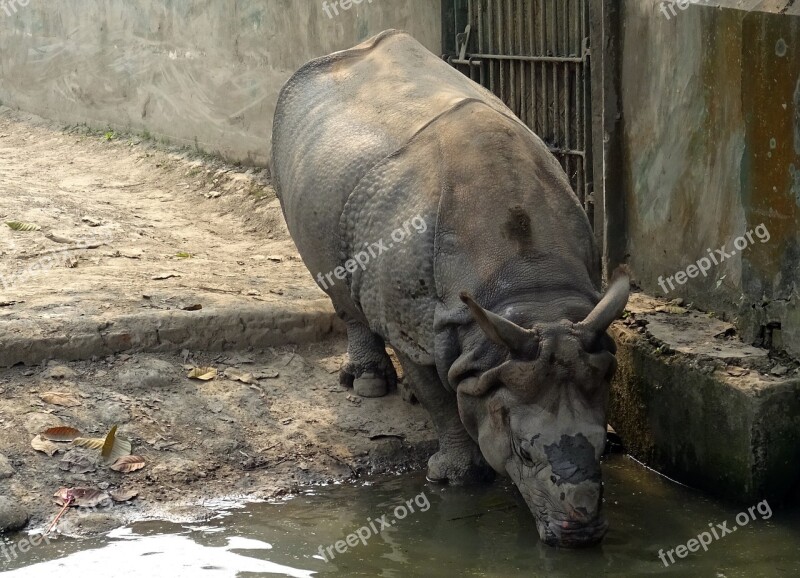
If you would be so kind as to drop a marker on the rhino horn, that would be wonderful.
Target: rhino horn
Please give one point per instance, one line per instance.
(611, 305)
(519, 341)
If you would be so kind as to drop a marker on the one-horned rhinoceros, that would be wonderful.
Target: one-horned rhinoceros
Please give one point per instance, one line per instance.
(438, 223)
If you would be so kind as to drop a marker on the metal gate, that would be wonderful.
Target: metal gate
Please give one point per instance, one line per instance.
(534, 55)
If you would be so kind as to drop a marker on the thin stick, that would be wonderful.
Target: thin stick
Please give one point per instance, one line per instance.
(69, 501)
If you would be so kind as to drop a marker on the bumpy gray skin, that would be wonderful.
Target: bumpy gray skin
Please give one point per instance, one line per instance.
(385, 137)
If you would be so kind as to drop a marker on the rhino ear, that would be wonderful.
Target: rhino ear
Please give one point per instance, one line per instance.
(611, 305)
(521, 342)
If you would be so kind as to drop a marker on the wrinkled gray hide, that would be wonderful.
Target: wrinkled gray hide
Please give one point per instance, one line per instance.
(489, 291)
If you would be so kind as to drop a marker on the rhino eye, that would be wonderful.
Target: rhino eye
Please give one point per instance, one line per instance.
(597, 343)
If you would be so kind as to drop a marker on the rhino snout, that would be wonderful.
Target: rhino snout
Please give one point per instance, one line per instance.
(565, 492)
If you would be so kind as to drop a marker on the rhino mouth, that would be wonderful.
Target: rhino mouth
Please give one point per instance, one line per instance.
(561, 524)
(568, 534)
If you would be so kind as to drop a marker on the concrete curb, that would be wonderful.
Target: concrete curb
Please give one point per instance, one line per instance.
(213, 329)
(712, 417)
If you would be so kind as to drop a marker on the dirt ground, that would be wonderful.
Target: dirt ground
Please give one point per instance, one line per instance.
(126, 228)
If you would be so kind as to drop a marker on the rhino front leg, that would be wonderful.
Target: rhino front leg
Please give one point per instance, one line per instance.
(369, 371)
(459, 460)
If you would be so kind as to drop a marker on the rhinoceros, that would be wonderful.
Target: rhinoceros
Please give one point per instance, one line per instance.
(441, 225)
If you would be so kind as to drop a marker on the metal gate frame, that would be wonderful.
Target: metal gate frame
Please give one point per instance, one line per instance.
(536, 56)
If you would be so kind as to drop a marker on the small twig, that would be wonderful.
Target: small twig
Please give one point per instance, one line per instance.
(341, 461)
(479, 514)
(81, 247)
(290, 359)
(67, 504)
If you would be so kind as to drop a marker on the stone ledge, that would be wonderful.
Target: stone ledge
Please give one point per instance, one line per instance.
(702, 408)
(236, 326)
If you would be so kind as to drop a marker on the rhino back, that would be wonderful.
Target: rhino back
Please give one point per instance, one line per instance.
(501, 223)
(339, 116)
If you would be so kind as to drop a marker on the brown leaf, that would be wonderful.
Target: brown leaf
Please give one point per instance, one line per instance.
(60, 434)
(44, 446)
(239, 375)
(123, 495)
(76, 463)
(114, 447)
(81, 497)
(203, 373)
(127, 464)
(59, 398)
(91, 443)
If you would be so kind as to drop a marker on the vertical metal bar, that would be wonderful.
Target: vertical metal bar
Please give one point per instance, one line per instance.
(543, 70)
(522, 66)
(554, 51)
(530, 21)
(507, 30)
(565, 67)
(481, 27)
(489, 41)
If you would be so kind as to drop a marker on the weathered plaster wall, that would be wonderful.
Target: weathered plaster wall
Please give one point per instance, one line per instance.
(199, 72)
(711, 147)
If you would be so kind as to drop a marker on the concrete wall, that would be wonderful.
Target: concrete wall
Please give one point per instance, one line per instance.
(711, 148)
(199, 72)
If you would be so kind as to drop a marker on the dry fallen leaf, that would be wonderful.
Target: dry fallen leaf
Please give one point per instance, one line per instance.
(239, 375)
(45, 446)
(76, 463)
(19, 226)
(59, 398)
(123, 495)
(60, 434)
(81, 497)
(114, 447)
(675, 310)
(204, 373)
(127, 464)
(91, 443)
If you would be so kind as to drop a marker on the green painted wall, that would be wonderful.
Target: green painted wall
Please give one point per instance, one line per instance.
(711, 148)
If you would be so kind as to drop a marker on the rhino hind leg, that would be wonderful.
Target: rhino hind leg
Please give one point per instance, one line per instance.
(459, 460)
(369, 371)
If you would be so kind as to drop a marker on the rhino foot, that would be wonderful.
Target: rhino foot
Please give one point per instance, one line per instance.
(369, 371)
(368, 382)
(459, 467)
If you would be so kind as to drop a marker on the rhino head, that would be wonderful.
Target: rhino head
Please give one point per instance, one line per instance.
(540, 415)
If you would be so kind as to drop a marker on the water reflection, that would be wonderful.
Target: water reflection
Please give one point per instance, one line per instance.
(484, 532)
